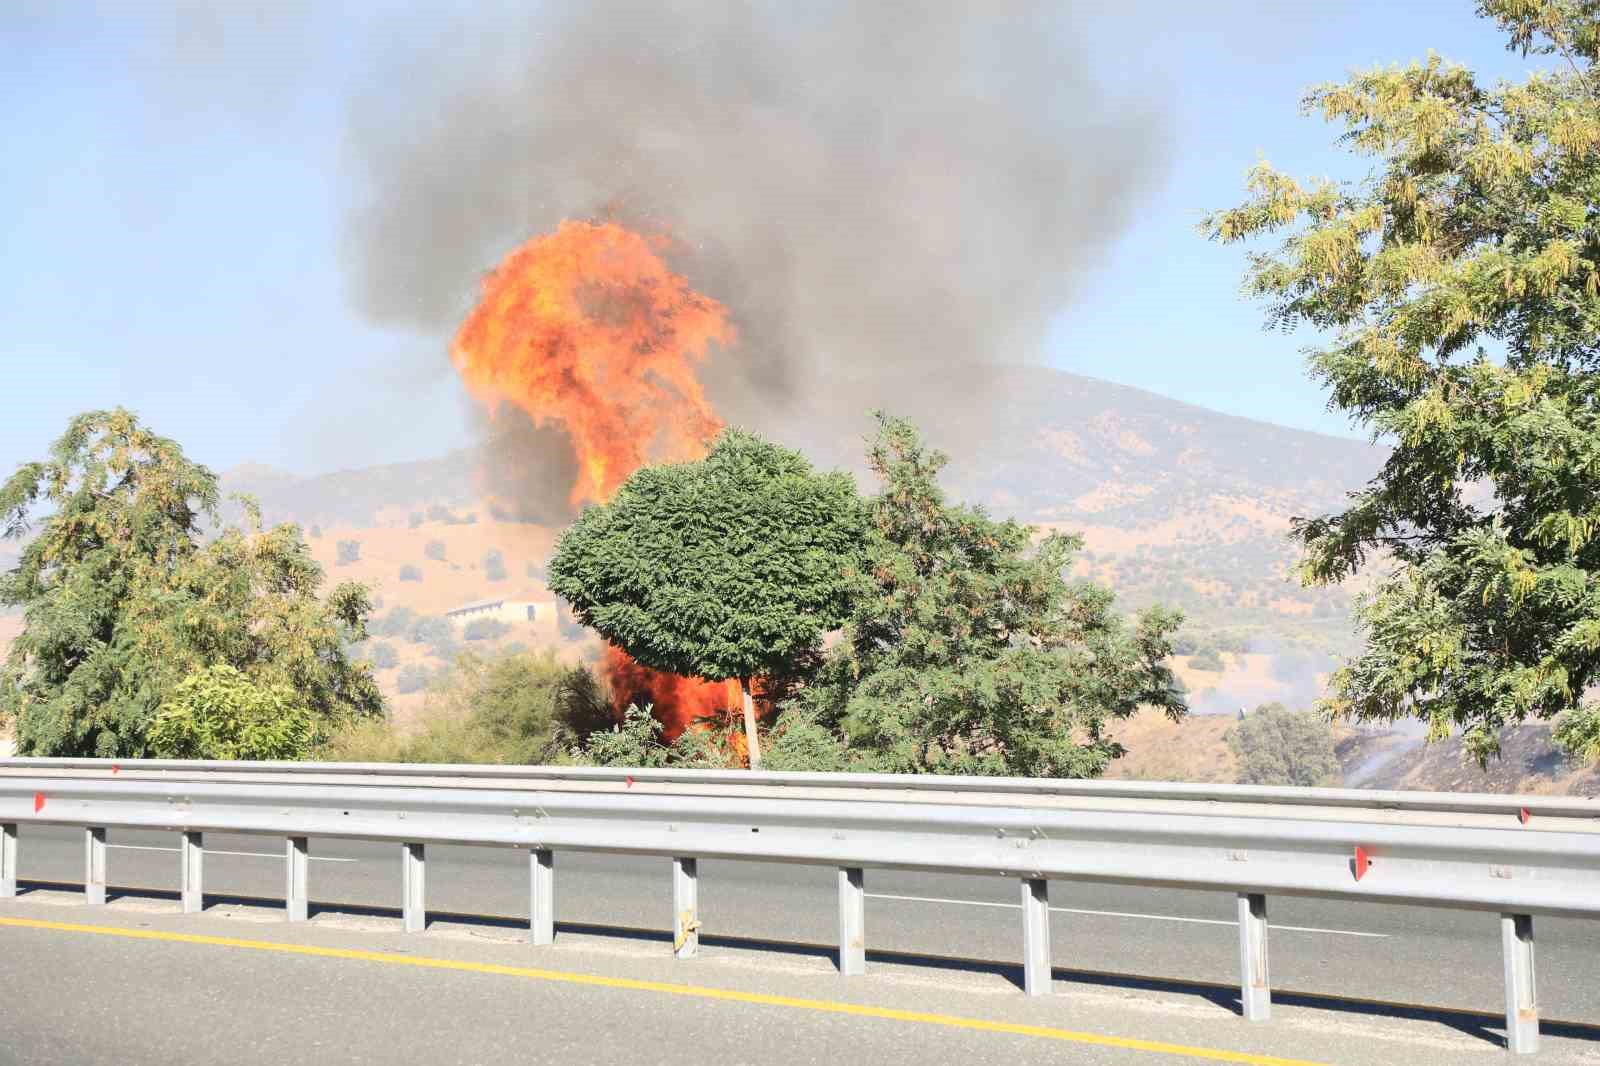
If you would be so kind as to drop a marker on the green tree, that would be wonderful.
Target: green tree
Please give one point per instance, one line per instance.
(219, 713)
(967, 651)
(1277, 746)
(1458, 287)
(732, 567)
(123, 598)
(349, 551)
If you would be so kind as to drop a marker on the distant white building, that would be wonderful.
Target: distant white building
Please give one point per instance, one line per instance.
(505, 610)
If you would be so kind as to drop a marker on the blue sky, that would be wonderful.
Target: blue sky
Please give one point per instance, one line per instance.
(171, 203)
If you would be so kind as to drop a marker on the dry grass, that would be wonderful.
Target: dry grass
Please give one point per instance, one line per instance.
(1160, 749)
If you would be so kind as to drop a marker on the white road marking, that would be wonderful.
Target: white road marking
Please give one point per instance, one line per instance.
(240, 854)
(1126, 914)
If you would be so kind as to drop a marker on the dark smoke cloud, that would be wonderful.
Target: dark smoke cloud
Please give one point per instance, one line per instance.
(880, 192)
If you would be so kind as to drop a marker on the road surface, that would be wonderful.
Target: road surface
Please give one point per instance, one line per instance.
(1352, 983)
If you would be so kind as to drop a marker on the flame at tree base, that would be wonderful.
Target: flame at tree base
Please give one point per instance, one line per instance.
(678, 702)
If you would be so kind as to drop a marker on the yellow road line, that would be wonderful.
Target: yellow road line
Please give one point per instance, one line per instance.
(948, 1021)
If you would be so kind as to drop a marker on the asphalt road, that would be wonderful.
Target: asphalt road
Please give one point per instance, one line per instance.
(1150, 961)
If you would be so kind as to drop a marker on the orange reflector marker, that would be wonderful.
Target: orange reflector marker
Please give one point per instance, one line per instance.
(1363, 860)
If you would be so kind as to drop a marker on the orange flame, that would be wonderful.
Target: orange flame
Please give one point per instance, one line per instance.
(678, 701)
(589, 329)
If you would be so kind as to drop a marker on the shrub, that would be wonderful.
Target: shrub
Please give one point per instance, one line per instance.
(382, 655)
(436, 513)
(316, 531)
(349, 552)
(485, 629)
(635, 741)
(800, 742)
(434, 550)
(494, 565)
(410, 573)
(1207, 659)
(437, 633)
(1277, 746)
(414, 519)
(397, 623)
(413, 678)
(507, 709)
(219, 713)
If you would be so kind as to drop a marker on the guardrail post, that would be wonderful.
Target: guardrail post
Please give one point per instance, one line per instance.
(685, 908)
(191, 854)
(1522, 1001)
(541, 896)
(8, 860)
(1036, 979)
(852, 921)
(296, 863)
(1255, 990)
(413, 906)
(94, 865)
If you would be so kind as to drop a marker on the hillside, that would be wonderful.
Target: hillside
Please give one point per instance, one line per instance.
(1177, 504)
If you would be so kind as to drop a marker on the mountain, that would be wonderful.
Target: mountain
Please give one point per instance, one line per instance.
(1177, 504)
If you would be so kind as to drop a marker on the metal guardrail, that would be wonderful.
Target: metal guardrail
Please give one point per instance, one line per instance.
(1506, 868)
(1536, 812)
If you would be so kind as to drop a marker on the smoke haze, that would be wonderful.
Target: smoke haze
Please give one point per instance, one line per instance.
(881, 192)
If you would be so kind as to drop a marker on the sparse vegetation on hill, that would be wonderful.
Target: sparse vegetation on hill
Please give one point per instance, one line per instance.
(494, 565)
(485, 629)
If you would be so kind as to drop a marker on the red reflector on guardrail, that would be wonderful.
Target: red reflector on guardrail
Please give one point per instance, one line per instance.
(38, 802)
(1363, 860)
(1523, 815)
